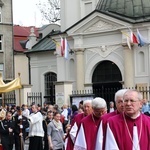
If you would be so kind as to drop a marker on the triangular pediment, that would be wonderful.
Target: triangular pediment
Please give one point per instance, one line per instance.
(97, 23)
(101, 25)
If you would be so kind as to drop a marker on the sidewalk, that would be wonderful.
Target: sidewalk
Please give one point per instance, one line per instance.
(26, 145)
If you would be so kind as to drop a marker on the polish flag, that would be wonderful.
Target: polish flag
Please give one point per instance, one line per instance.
(62, 47)
(133, 38)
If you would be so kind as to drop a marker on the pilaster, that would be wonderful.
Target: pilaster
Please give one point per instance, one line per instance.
(80, 68)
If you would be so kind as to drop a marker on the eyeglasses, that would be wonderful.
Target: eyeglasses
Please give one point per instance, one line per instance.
(119, 102)
(131, 101)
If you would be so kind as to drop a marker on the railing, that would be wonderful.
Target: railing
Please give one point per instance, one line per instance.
(35, 97)
(108, 93)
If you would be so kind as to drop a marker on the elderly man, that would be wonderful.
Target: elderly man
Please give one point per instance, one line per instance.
(87, 107)
(86, 137)
(102, 129)
(129, 130)
(119, 106)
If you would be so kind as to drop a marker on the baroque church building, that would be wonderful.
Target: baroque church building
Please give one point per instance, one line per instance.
(99, 54)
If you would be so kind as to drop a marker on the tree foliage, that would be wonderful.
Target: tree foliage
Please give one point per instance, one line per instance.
(50, 10)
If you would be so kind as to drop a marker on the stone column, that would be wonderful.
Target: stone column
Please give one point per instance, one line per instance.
(128, 67)
(149, 50)
(61, 68)
(80, 68)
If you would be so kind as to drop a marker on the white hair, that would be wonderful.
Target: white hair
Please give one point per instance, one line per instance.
(111, 102)
(99, 102)
(87, 101)
(120, 93)
(140, 96)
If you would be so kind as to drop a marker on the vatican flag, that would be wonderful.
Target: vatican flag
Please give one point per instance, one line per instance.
(13, 85)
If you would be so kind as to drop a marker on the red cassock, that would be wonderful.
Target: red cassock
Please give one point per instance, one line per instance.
(86, 137)
(77, 120)
(119, 135)
(104, 120)
(1, 147)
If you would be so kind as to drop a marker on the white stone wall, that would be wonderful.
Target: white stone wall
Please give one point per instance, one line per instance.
(41, 63)
(21, 66)
(74, 10)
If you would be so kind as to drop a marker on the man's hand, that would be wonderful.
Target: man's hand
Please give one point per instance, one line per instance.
(21, 134)
(21, 126)
(10, 130)
(20, 117)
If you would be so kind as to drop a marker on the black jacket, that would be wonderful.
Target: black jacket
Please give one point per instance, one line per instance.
(45, 123)
(22, 121)
(4, 130)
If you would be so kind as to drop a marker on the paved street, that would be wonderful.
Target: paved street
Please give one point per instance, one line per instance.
(26, 145)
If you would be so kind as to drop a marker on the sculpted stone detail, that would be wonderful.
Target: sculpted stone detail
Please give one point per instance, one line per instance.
(101, 26)
(78, 41)
(104, 50)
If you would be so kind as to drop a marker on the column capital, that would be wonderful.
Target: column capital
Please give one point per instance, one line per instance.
(79, 50)
(125, 45)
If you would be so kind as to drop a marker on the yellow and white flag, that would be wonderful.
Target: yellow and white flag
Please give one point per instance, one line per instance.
(13, 85)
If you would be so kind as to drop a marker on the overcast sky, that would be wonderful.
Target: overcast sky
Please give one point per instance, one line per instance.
(26, 13)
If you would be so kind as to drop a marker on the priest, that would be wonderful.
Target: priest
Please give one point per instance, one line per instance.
(87, 108)
(86, 137)
(119, 109)
(129, 130)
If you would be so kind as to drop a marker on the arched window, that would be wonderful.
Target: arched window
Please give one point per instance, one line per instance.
(49, 79)
(141, 62)
(72, 70)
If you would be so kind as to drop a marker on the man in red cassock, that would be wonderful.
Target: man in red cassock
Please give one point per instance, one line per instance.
(87, 107)
(86, 137)
(119, 109)
(129, 130)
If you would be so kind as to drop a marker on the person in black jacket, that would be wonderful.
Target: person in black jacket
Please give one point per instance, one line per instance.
(45, 123)
(7, 127)
(21, 123)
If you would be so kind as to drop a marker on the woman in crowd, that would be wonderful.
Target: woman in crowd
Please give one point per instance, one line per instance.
(55, 133)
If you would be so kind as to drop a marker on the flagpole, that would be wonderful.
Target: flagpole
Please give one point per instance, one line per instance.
(3, 100)
(19, 94)
(21, 137)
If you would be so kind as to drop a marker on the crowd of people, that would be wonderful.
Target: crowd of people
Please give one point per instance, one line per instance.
(88, 126)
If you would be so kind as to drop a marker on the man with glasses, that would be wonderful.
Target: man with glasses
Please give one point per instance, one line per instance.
(119, 109)
(129, 130)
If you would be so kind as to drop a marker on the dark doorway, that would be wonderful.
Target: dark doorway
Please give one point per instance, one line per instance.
(50, 79)
(106, 80)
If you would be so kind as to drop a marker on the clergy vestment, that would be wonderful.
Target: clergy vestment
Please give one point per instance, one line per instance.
(86, 137)
(119, 134)
(73, 131)
(36, 132)
(101, 136)
(104, 119)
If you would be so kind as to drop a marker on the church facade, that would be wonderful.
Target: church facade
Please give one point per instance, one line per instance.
(100, 54)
